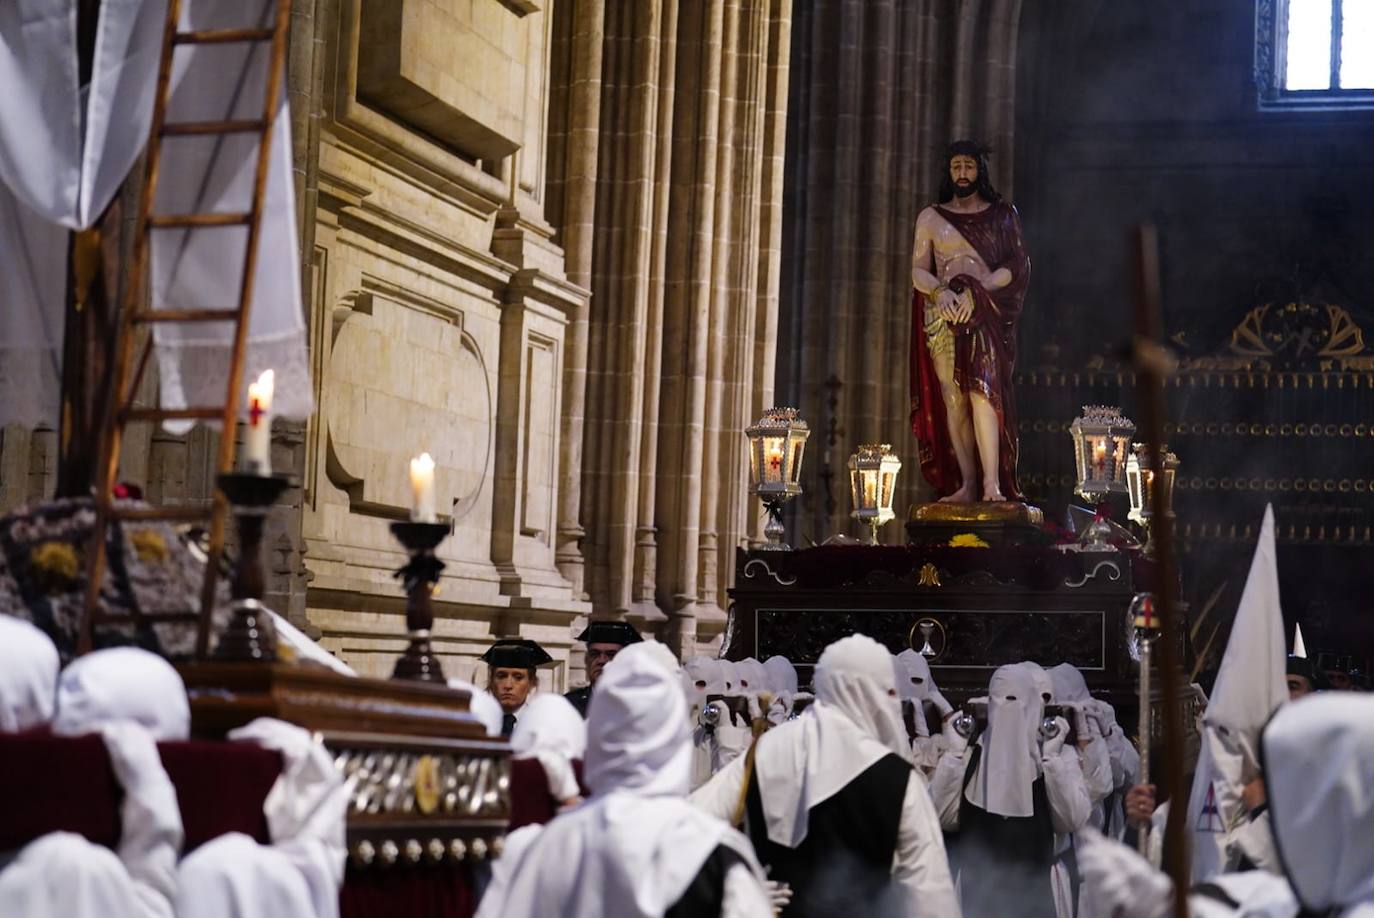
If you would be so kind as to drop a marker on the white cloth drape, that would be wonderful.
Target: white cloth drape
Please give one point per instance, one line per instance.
(65, 149)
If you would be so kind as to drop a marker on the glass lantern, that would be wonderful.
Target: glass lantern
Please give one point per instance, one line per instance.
(873, 483)
(1143, 475)
(1101, 443)
(777, 443)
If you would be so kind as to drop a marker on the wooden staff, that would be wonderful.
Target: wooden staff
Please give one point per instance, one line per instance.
(1153, 363)
(1143, 833)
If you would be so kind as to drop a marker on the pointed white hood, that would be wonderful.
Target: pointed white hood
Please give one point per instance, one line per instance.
(1318, 758)
(855, 721)
(1249, 687)
(1009, 761)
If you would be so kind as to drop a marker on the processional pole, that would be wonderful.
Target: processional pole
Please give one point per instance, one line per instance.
(1153, 363)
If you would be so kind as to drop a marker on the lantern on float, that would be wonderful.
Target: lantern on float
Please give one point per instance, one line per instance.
(1143, 475)
(873, 483)
(1101, 444)
(777, 442)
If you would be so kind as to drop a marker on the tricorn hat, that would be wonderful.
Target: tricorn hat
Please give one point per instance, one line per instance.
(519, 653)
(610, 632)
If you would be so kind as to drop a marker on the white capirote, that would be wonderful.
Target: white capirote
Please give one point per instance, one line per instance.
(551, 731)
(28, 676)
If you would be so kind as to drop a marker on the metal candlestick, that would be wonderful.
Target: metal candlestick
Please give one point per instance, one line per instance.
(419, 576)
(250, 635)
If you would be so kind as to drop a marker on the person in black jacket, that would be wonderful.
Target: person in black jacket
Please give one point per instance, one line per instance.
(604, 639)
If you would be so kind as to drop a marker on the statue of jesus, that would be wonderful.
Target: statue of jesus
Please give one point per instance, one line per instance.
(969, 270)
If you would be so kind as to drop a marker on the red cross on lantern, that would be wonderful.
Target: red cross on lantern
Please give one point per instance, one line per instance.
(255, 412)
(775, 463)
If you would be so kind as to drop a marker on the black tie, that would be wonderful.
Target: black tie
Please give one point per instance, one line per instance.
(507, 724)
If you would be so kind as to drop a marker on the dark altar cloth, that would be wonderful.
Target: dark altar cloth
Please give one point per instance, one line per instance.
(58, 783)
(445, 890)
(530, 802)
(832, 566)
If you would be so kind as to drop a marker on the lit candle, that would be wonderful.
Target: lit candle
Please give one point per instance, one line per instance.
(1100, 456)
(257, 445)
(773, 465)
(422, 489)
(870, 492)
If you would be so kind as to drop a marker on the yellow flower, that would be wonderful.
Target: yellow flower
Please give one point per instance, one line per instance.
(967, 540)
(149, 545)
(56, 565)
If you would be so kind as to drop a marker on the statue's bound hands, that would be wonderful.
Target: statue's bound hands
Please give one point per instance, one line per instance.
(945, 302)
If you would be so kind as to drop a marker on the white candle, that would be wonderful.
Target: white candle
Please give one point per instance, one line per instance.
(422, 489)
(257, 446)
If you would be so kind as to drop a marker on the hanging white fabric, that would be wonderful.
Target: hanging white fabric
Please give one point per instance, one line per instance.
(65, 149)
(202, 268)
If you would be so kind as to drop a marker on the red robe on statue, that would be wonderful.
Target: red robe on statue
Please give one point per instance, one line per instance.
(984, 348)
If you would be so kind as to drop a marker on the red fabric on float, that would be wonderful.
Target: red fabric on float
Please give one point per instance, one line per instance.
(59, 783)
(56, 783)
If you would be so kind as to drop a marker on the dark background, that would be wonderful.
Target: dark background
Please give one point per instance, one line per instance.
(1135, 112)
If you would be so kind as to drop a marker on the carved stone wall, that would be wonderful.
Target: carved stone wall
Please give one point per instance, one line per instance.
(439, 320)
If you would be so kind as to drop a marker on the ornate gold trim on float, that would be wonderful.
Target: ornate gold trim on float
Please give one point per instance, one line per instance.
(1004, 511)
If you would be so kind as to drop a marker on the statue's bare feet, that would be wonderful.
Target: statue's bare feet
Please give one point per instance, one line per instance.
(962, 496)
(992, 494)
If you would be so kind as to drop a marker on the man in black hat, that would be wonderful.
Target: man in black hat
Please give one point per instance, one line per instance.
(1303, 678)
(511, 676)
(604, 639)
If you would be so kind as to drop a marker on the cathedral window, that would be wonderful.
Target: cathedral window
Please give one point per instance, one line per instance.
(1314, 54)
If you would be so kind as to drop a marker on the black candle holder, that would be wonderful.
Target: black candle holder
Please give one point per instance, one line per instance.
(419, 575)
(250, 635)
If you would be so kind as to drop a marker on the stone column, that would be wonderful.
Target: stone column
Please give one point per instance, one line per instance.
(682, 315)
(574, 126)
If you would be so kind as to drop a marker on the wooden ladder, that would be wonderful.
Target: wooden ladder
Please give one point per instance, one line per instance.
(135, 319)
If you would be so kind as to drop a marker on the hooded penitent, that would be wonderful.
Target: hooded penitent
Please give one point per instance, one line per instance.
(701, 677)
(854, 722)
(915, 683)
(753, 677)
(1009, 762)
(1318, 761)
(1250, 686)
(28, 676)
(782, 675)
(299, 874)
(636, 845)
(134, 699)
(551, 730)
